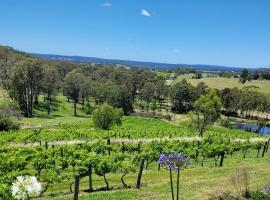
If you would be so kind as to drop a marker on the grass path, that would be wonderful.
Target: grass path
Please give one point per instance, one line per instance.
(131, 141)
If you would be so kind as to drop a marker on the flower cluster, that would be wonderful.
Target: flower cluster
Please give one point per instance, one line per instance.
(174, 161)
(25, 186)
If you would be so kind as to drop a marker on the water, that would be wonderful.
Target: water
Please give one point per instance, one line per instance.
(254, 128)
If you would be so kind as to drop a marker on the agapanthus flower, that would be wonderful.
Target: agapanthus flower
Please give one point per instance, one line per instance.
(25, 186)
(174, 161)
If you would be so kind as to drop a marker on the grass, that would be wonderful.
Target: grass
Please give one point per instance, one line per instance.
(221, 83)
(164, 74)
(62, 113)
(196, 182)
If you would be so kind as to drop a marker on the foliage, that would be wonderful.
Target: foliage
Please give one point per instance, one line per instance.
(207, 110)
(72, 87)
(104, 116)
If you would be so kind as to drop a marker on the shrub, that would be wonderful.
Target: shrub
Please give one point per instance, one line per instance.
(104, 116)
(259, 196)
(8, 116)
(7, 124)
(227, 123)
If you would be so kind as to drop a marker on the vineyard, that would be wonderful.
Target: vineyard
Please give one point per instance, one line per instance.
(117, 162)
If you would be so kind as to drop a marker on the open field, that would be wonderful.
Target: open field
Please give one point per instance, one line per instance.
(221, 83)
(164, 74)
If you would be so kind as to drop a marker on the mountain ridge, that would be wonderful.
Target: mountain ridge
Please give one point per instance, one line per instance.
(152, 65)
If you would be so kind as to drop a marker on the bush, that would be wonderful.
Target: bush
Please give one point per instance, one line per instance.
(104, 116)
(259, 196)
(9, 113)
(7, 124)
(227, 123)
(88, 108)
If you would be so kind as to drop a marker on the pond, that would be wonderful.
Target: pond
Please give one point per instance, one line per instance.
(254, 128)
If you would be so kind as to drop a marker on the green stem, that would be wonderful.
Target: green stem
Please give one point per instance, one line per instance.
(177, 192)
(171, 184)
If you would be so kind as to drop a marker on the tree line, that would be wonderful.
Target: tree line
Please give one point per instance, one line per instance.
(29, 80)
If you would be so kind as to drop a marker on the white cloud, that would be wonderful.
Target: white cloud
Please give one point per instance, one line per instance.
(145, 13)
(107, 4)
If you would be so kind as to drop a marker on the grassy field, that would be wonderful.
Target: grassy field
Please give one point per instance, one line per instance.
(164, 74)
(196, 182)
(62, 113)
(221, 83)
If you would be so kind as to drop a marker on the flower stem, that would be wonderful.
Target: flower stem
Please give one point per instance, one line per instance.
(177, 191)
(171, 184)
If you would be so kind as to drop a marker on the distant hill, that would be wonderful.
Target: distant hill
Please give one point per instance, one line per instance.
(152, 65)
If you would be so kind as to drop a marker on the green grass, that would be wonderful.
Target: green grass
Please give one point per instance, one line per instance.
(62, 113)
(221, 83)
(196, 182)
(164, 74)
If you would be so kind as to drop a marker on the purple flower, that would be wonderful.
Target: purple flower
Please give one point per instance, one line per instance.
(174, 161)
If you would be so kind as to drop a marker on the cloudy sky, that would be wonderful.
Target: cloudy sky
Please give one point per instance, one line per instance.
(229, 32)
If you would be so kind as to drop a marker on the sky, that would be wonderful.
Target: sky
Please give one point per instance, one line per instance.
(232, 33)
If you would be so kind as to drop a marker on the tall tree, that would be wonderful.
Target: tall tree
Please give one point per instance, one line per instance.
(199, 90)
(244, 76)
(25, 82)
(147, 93)
(181, 96)
(230, 99)
(207, 110)
(72, 87)
(50, 84)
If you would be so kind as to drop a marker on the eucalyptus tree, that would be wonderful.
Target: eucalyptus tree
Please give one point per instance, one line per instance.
(181, 96)
(147, 93)
(72, 87)
(50, 84)
(25, 82)
(230, 98)
(207, 110)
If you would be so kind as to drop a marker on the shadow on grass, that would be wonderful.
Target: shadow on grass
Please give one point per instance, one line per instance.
(109, 189)
(45, 116)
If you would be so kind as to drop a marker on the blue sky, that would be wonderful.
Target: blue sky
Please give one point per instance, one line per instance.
(229, 32)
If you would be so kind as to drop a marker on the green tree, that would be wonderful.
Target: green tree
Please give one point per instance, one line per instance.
(207, 110)
(104, 116)
(199, 90)
(230, 99)
(72, 87)
(25, 83)
(181, 96)
(50, 84)
(147, 93)
(244, 76)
